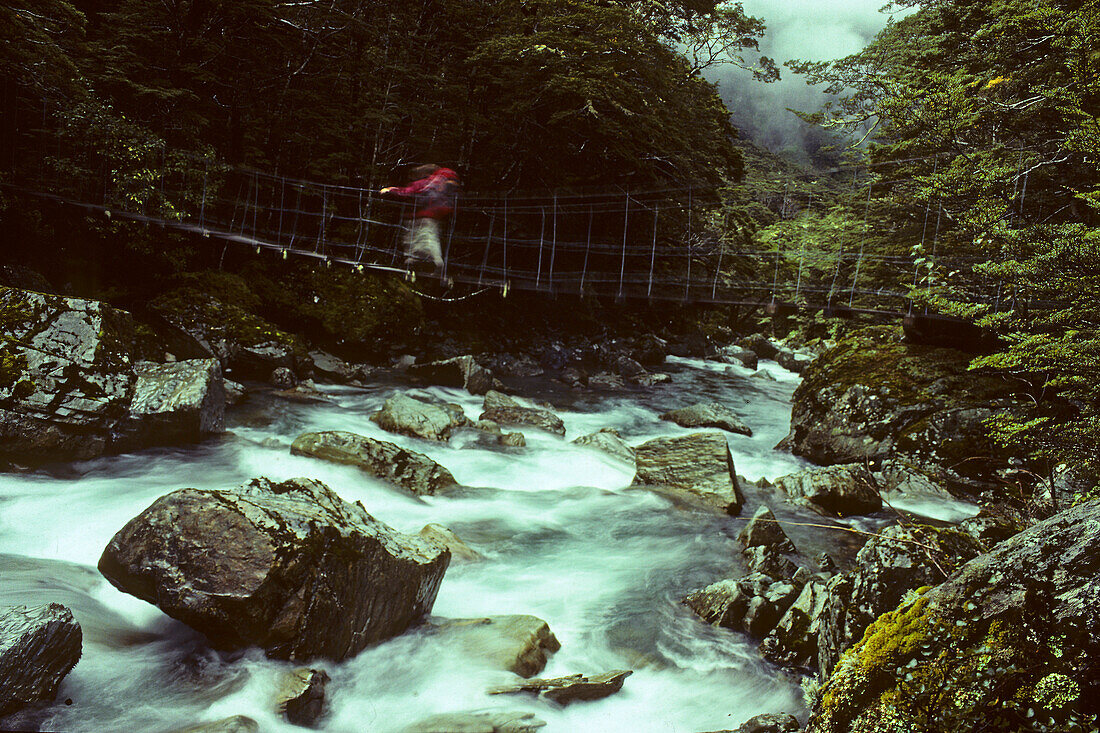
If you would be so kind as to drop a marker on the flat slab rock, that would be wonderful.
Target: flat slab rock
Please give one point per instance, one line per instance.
(519, 643)
(461, 371)
(564, 690)
(699, 464)
(414, 472)
(420, 417)
(610, 442)
(289, 567)
(502, 409)
(38, 647)
(489, 721)
(708, 415)
(838, 491)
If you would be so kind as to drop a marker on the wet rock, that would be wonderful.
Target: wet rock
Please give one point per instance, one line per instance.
(414, 472)
(699, 464)
(896, 561)
(235, 392)
(649, 350)
(872, 396)
(793, 361)
(628, 368)
(301, 695)
(196, 325)
(235, 724)
(444, 537)
(1002, 608)
(420, 417)
(460, 371)
(511, 365)
(38, 647)
(65, 376)
(767, 560)
(708, 415)
(180, 402)
(764, 530)
(519, 644)
(739, 355)
(606, 380)
(504, 410)
(329, 368)
(306, 392)
(574, 377)
(489, 721)
(839, 491)
(753, 604)
(793, 641)
(513, 440)
(288, 566)
(283, 378)
(650, 379)
(763, 375)
(609, 441)
(564, 690)
(771, 723)
(761, 346)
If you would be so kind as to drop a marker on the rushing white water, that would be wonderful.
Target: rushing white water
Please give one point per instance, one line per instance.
(564, 537)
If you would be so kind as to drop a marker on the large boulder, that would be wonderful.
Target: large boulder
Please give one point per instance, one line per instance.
(1010, 641)
(178, 402)
(873, 395)
(420, 416)
(898, 560)
(408, 470)
(518, 643)
(753, 604)
(460, 371)
(838, 491)
(65, 376)
(763, 530)
(794, 640)
(196, 325)
(290, 567)
(38, 647)
(699, 465)
(708, 415)
(330, 368)
(502, 409)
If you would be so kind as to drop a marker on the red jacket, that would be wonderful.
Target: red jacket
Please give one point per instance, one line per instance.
(433, 195)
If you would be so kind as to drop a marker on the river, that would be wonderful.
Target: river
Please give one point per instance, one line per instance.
(564, 538)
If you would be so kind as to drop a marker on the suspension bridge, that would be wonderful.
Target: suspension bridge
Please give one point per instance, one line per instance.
(654, 244)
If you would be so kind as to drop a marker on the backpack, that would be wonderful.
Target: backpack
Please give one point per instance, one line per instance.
(440, 196)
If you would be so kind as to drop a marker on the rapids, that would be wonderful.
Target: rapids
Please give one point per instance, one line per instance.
(564, 537)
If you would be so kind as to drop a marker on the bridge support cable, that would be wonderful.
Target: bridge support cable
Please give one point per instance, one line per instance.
(859, 259)
(923, 235)
(652, 254)
(626, 222)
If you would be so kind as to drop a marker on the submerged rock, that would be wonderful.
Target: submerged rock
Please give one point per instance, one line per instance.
(518, 644)
(38, 647)
(564, 690)
(502, 409)
(288, 566)
(699, 465)
(234, 724)
(420, 417)
(838, 491)
(708, 415)
(408, 470)
(460, 371)
(301, 695)
(460, 551)
(488, 721)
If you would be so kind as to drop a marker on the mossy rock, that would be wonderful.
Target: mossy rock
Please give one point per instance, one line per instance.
(873, 395)
(1008, 642)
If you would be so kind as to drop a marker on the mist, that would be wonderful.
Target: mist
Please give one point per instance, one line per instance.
(796, 29)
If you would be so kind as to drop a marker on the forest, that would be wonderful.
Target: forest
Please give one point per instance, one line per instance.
(160, 160)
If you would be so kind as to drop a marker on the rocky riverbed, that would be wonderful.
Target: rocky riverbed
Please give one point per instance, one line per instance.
(600, 542)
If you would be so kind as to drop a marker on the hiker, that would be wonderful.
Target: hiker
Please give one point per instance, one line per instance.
(433, 193)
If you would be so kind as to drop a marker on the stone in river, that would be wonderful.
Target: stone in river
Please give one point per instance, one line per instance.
(517, 643)
(289, 567)
(708, 415)
(698, 465)
(564, 690)
(414, 472)
(420, 417)
(504, 410)
(488, 721)
(38, 647)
